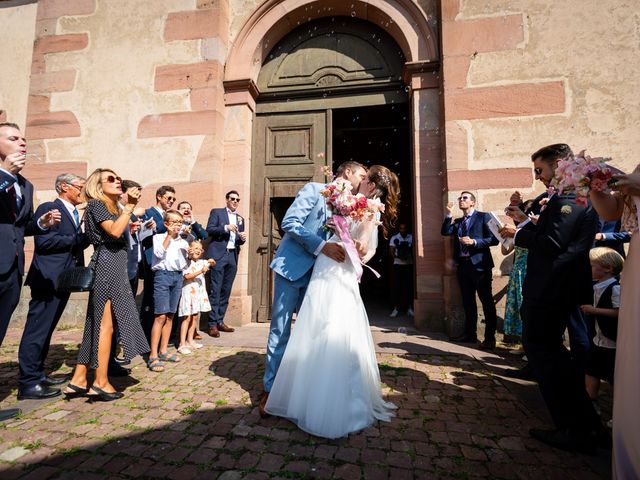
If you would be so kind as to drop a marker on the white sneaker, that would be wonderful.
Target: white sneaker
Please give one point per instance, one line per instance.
(394, 313)
(410, 312)
(184, 350)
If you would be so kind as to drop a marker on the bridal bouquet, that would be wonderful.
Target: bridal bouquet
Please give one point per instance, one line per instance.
(582, 173)
(344, 203)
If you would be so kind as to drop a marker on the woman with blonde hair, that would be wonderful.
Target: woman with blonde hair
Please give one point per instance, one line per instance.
(328, 382)
(112, 308)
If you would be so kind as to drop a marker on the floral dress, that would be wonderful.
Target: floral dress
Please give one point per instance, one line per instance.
(194, 297)
(512, 320)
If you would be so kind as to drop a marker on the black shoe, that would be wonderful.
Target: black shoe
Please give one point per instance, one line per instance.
(524, 373)
(488, 344)
(9, 413)
(75, 392)
(116, 370)
(465, 338)
(52, 381)
(104, 396)
(585, 442)
(38, 392)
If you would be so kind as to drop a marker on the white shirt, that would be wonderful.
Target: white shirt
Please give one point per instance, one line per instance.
(174, 258)
(598, 289)
(70, 208)
(400, 238)
(233, 220)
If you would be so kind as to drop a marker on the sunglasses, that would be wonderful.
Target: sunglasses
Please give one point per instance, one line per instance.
(170, 199)
(112, 179)
(234, 199)
(464, 197)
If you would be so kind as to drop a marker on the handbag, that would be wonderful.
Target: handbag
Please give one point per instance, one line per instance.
(78, 279)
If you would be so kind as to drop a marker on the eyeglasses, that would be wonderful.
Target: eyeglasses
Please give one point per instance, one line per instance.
(234, 199)
(112, 179)
(537, 171)
(464, 197)
(78, 187)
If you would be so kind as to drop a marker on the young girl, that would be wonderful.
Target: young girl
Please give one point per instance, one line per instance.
(169, 260)
(194, 298)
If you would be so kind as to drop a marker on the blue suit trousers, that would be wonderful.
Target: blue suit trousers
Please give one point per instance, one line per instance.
(287, 298)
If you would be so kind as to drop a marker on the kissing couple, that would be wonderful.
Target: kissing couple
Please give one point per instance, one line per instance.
(324, 376)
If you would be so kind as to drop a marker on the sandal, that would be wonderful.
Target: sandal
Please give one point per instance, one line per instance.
(155, 365)
(75, 392)
(185, 351)
(165, 357)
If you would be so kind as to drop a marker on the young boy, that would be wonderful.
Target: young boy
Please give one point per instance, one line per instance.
(606, 265)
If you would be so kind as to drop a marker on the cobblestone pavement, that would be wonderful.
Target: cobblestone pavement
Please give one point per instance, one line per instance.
(457, 418)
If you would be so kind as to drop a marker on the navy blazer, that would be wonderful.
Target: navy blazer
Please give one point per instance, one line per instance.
(478, 225)
(59, 248)
(14, 226)
(218, 218)
(147, 243)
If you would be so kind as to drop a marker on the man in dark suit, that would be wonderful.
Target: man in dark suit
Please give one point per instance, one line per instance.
(165, 197)
(59, 249)
(558, 278)
(472, 239)
(226, 231)
(16, 221)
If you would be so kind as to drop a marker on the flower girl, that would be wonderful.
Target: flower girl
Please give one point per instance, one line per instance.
(194, 298)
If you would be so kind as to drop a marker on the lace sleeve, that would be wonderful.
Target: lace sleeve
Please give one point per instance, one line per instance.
(366, 232)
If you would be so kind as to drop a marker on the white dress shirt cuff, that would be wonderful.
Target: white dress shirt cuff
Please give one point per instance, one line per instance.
(320, 247)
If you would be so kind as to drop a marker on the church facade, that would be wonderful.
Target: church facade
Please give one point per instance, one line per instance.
(257, 96)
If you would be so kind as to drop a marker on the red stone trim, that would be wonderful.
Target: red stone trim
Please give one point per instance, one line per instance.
(194, 25)
(178, 124)
(482, 35)
(52, 9)
(508, 178)
(62, 81)
(60, 43)
(42, 126)
(43, 174)
(3, 116)
(192, 75)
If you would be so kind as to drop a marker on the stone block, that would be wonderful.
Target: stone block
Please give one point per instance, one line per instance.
(38, 104)
(197, 24)
(482, 35)
(507, 178)
(457, 146)
(61, 81)
(52, 125)
(505, 101)
(209, 98)
(191, 75)
(49, 9)
(455, 71)
(43, 175)
(61, 43)
(178, 124)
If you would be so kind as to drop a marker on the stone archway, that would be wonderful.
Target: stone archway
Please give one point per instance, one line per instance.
(416, 36)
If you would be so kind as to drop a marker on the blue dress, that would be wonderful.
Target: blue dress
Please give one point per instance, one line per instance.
(512, 320)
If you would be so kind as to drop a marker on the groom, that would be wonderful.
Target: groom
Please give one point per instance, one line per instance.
(304, 239)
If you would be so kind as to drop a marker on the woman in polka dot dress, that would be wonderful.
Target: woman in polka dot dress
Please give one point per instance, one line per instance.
(112, 308)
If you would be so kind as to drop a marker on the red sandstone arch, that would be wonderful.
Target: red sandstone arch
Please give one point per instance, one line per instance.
(404, 20)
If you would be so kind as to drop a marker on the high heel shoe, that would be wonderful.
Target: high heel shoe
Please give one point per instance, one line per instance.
(77, 392)
(104, 396)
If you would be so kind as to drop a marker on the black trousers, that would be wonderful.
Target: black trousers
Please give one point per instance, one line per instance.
(10, 285)
(560, 379)
(147, 315)
(402, 290)
(472, 281)
(45, 310)
(222, 276)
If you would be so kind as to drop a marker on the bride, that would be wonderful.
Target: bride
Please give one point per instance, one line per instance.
(328, 382)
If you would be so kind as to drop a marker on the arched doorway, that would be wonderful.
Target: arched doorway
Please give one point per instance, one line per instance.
(332, 90)
(414, 32)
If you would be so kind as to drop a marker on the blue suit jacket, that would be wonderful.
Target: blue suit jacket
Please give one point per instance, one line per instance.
(14, 226)
(147, 243)
(303, 225)
(218, 218)
(60, 248)
(478, 230)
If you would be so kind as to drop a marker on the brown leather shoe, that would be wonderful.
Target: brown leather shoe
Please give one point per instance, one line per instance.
(225, 328)
(262, 404)
(213, 332)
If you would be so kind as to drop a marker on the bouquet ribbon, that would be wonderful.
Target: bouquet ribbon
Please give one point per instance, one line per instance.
(342, 229)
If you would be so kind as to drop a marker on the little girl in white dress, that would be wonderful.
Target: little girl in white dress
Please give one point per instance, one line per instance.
(194, 299)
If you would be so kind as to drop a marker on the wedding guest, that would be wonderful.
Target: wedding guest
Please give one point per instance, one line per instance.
(473, 258)
(194, 299)
(111, 304)
(197, 230)
(16, 222)
(169, 261)
(606, 265)
(558, 279)
(609, 235)
(625, 205)
(134, 257)
(57, 250)
(165, 197)
(226, 230)
(401, 251)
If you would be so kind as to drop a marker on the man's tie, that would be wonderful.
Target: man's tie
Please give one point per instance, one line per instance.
(464, 232)
(76, 217)
(11, 191)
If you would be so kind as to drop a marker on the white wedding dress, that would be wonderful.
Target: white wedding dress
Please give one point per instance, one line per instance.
(328, 382)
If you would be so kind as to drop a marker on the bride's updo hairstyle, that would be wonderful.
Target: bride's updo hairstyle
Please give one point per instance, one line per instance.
(387, 189)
